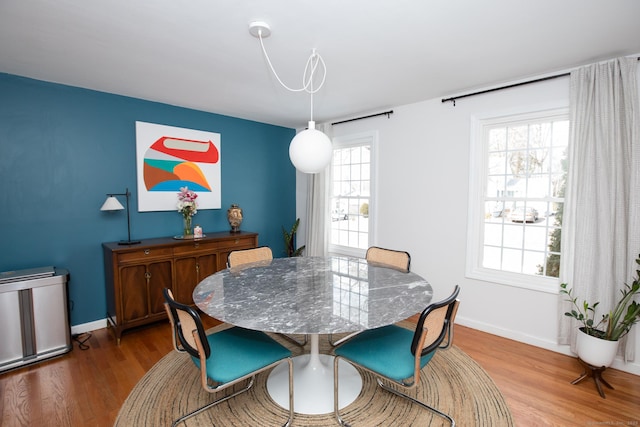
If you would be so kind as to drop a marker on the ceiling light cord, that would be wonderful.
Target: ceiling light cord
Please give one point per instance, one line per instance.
(310, 150)
(309, 70)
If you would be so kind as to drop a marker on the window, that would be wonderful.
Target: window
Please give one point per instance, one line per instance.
(516, 199)
(350, 192)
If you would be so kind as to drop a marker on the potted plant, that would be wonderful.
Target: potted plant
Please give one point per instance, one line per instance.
(290, 239)
(597, 343)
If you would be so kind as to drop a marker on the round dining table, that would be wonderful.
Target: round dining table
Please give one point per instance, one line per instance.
(314, 296)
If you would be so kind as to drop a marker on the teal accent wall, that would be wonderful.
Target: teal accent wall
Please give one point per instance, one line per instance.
(62, 149)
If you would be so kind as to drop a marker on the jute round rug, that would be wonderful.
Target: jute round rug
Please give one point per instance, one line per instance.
(452, 382)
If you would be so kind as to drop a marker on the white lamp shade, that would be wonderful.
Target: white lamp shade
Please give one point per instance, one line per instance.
(111, 204)
(310, 151)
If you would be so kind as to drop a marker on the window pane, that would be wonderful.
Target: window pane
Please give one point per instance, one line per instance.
(493, 234)
(512, 260)
(497, 139)
(366, 187)
(497, 163)
(516, 137)
(532, 262)
(492, 258)
(513, 236)
(535, 238)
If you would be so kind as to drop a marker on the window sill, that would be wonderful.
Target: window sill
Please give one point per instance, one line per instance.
(550, 285)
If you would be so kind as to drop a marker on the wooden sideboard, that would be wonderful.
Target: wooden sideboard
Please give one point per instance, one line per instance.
(136, 275)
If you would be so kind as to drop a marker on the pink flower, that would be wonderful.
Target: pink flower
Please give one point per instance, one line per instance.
(187, 204)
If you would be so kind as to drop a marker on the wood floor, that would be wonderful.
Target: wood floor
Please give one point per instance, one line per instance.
(87, 387)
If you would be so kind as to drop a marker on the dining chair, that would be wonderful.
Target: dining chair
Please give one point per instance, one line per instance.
(245, 256)
(263, 253)
(226, 357)
(389, 257)
(400, 260)
(397, 355)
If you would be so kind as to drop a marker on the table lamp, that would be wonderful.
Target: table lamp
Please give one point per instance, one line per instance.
(113, 204)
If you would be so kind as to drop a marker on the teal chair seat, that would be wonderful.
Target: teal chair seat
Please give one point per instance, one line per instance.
(385, 350)
(245, 351)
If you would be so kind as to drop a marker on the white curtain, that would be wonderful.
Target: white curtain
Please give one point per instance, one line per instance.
(316, 240)
(601, 221)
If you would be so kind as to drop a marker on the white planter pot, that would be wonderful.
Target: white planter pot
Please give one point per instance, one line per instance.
(595, 351)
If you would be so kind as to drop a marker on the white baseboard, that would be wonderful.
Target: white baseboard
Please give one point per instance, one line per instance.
(88, 327)
(618, 363)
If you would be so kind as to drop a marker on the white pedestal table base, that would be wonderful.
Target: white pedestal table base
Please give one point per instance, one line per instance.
(313, 383)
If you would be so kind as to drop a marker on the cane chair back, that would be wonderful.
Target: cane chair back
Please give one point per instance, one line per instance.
(389, 257)
(246, 256)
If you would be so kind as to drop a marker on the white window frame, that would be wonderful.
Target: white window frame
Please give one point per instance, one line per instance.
(371, 138)
(477, 190)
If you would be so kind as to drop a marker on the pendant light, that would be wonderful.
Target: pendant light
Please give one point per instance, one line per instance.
(310, 150)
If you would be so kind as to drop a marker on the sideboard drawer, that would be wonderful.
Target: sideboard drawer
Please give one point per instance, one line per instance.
(240, 242)
(196, 247)
(142, 254)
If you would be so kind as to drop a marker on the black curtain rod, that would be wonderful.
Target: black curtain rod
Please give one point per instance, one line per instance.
(453, 98)
(386, 113)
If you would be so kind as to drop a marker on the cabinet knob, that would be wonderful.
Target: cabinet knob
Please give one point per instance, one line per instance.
(147, 251)
(237, 241)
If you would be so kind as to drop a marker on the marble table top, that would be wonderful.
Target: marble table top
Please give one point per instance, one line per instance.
(312, 295)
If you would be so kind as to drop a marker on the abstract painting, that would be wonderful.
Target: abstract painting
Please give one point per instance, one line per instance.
(169, 158)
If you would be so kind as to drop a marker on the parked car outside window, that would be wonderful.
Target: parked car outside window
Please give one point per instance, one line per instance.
(338, 215)
(521, 214)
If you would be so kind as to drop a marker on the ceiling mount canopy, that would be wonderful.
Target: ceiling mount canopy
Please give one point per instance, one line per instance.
(310, 150)
(259, 29)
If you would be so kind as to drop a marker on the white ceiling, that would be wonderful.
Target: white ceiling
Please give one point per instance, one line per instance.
(379, 54)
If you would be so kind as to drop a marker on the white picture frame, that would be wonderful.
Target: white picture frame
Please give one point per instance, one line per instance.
(168, 158)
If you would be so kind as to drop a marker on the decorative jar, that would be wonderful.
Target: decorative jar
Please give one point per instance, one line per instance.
(234, 215)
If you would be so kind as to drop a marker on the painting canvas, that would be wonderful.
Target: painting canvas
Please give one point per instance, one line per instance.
(169, 158)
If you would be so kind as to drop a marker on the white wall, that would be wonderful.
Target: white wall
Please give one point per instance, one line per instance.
(422, 204)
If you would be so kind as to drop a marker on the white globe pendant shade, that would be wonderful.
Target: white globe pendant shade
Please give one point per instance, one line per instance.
(310, 150)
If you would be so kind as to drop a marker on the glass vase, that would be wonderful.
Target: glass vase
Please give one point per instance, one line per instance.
(187, 230)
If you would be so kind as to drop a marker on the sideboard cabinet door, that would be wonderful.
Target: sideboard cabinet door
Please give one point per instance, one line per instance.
(142, 290)
(189, 272)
